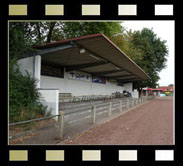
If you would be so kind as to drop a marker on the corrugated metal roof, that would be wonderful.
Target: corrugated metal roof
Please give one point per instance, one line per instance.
(98, 49)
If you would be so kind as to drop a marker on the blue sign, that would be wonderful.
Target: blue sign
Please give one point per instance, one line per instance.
(101, 80)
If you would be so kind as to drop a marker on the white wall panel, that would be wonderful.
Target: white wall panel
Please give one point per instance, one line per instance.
(99, 89)
(50, 99)
(78, 88)
(26, 64)
(54, 82)
(32, 65)
(128, 87)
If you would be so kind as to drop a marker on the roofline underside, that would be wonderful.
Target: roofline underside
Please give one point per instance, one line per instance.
(49, 46)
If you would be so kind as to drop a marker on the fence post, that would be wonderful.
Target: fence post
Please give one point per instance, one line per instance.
(61, 124)
(133, 102)
(110, 109)
(127, 103)
(121, 106)
(93, 114)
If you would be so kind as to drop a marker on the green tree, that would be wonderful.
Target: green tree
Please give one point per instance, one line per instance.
(19, 45)
(24, 99)
(149, 52)
(75, 29)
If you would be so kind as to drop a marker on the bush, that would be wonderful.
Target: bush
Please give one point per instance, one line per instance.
(24, 98)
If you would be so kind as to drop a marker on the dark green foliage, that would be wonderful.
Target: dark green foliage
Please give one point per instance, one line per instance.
(75, 29)
(24, 99)
(19, 44)
(149, 52)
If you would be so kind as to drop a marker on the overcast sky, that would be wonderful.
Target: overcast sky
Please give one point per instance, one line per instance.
(164, 30)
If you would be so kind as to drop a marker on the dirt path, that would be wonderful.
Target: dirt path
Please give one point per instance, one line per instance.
(151, 123)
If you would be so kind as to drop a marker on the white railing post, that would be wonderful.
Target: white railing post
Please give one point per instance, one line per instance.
(61, 124)
(133, 102)
(93, 114)
(127, 103)
(121, 106)
(110, 109)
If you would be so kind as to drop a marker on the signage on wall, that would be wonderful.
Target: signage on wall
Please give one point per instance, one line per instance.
(52, 70)
(75, 75)
(101, 80)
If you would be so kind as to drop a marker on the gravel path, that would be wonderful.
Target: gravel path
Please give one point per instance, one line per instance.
(149, 124)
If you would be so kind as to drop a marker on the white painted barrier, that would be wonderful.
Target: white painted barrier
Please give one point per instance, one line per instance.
(50, 98)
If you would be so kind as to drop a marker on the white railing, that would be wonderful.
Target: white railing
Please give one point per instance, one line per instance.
(91, 112)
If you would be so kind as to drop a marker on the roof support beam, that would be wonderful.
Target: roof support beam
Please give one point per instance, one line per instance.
(83, 66)
(106, 72)
(127, 77)
(120, 76)
(129, 80)
(53, 49)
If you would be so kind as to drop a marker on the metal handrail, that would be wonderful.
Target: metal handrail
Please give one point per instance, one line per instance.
(89, 107)
(79, 110)
(32, 120)
(101, 105)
